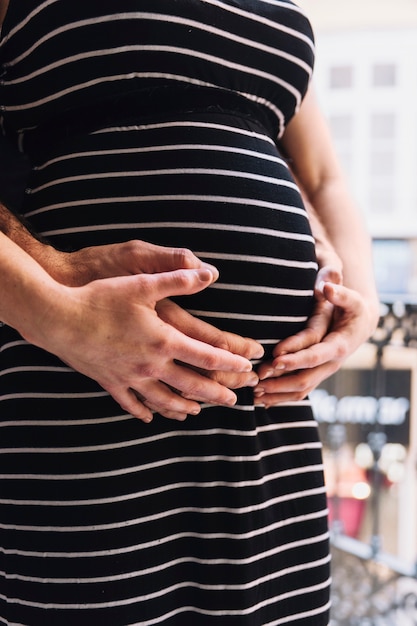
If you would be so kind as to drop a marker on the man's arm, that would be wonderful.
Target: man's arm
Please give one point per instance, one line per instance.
(109, 330)
(140, 259)
(18, 231)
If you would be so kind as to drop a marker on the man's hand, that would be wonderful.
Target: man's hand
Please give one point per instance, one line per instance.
(120, 259)
(339, 325)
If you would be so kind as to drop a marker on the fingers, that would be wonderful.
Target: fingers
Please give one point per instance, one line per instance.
(174, 283)
(121, 259)
(195, 328)
(161, 399)
(291, 376)
(346, 299)
(269, 369)
(236, 344)
(194, 386)
(317, 327)
(327, 274)
(152, 396)
(144, 257)
(200, 354)
(233, 380)
(129, 402)
(292, 387)
(182, 258)
(349, 305)
(334, 347)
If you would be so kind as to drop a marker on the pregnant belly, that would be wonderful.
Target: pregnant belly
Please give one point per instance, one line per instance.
(213, 183)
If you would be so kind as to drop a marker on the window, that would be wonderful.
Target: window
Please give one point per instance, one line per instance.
(384, 75)
(383, 126)
(341, 77)
(382, 163)
(341, 127)
(381, 199)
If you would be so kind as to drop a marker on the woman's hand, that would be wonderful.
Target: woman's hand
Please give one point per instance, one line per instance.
(341, 322)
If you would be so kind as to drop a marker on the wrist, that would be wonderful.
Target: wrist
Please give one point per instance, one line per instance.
(28, 292)
(67, 268)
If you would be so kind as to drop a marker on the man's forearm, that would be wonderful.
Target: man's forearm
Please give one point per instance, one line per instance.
(20, 233)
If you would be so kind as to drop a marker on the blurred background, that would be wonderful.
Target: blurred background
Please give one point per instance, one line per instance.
(366, 80)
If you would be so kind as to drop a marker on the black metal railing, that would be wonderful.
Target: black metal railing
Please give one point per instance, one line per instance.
(372, 587)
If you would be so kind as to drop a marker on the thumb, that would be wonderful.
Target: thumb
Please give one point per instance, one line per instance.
(153, 259)
(342, 296)
(325, 276)
(179, 282)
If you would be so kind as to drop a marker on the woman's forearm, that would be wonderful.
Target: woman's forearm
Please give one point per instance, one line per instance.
(347, 233)
(315, 165)
(27, 290)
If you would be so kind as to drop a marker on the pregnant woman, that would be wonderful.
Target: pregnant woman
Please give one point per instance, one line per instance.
(177, 122)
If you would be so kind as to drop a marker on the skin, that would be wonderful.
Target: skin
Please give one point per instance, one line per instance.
(3, 9)
(109, 330)
(90, 283)
(303, 361)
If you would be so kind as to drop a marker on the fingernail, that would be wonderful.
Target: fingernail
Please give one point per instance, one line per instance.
(181, 418)
(267, 374)
(247, 368)
(212, 269)
(259, 391)
(231, 400)
(195, 411)
(253, 381)
(279, 367)
(204, 275)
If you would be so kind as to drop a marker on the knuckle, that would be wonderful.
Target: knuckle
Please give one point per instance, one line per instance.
(147, 370)
(210, 362)
(133, 245)
(133, 249)
(185, 258)
(230, 380)
(314, 361)
(201, 387)
(303, 384)
(147, 284)
(183, 280)
(221, 343)
(300, 395)
(342, 349)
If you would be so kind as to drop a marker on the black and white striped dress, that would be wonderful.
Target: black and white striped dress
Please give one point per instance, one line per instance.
(159, 120)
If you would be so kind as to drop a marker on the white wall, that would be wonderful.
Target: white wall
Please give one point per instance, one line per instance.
(377, 163)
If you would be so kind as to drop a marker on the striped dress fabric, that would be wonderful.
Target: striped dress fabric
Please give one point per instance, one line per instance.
(220, 519)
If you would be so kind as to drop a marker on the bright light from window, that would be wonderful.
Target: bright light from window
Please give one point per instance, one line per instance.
(361, 491)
